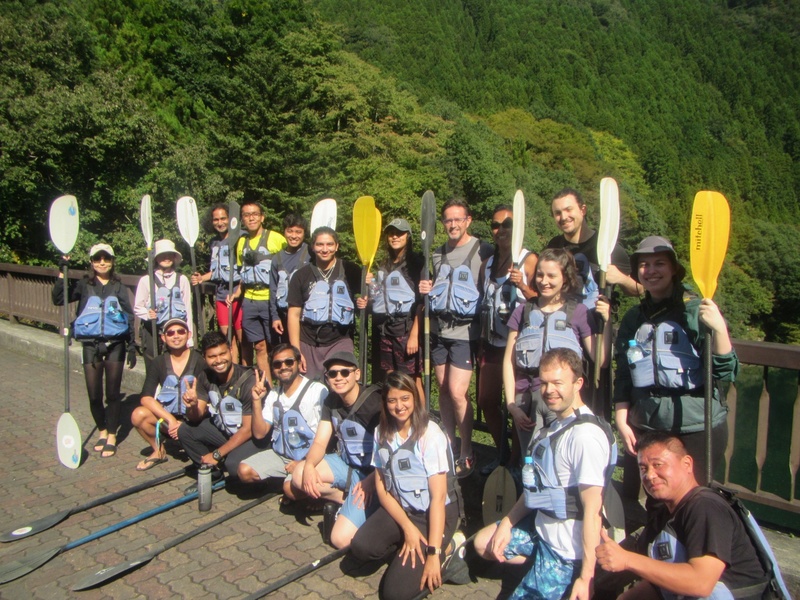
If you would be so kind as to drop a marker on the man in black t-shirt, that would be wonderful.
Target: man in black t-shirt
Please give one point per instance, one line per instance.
(694, 543)
(345, 476)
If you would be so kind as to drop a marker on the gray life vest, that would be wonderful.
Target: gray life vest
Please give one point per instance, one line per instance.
(393, 296)
(541, 331)
(221, 262)
(172, 389)
(284, 277)
(226, 411)
(329, 302)
(257, 263)
(549, 496)
(101, 318)
(454, 293)
(500, 298)
(407, 480)
(670, 359)
(169, 301)
(284, 440)
(589, 288)
(355, 442)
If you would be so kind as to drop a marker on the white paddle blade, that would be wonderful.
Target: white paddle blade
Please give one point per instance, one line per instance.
(609, 221)
(188, 221)
(64, 221)
(146, 219)
(518, 230)
(68, 441)
(324, 214)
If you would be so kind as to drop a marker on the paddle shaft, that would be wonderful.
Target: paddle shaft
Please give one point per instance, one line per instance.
(152, 277)
(601, 284)
(198, 301)
(65, 333)
(294, 576)
(233, 225)
(426, 335)
(707, 373)
(362, 329)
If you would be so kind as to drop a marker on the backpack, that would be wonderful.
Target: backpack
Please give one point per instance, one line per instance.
(454, 292)
(540, 332)
(670, 359)
(329, 303)
(101, 318)
(589, 289)
(169, 301)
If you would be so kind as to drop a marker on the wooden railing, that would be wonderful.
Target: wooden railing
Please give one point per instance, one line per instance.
(763, 453)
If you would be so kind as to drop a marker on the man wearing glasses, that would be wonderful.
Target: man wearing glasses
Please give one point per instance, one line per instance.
(350, 414)
(455, 301)
(254, 254)
(162, 411)
(288, 414)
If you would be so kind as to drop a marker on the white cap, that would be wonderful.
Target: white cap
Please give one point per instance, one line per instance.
(98, 248)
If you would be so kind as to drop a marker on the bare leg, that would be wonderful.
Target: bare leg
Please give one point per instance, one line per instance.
(458, 384)
(445, 403)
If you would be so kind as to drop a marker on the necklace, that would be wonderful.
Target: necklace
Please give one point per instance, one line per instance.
(326, 274)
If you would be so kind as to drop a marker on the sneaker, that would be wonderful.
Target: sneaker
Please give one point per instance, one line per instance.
(454, 567)
(486, 470)
(465, 466)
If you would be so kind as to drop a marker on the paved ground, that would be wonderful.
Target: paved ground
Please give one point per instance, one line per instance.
(229, 561)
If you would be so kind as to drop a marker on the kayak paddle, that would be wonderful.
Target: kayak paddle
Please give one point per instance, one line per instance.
(367, 231)
(606, 240)
(233, 238)
(427, 232)
(146, 219)
(324, 215)
(189, 226)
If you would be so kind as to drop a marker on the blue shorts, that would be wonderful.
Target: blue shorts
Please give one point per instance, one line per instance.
(357, 516)
(458, 353)
(256, 320)
(550, 575)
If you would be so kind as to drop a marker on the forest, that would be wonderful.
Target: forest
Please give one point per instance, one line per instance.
(291, 101)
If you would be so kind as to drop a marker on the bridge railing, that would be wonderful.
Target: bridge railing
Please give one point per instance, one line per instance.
(763, 453)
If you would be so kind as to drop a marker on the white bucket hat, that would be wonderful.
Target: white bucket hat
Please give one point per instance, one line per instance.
(165, 246)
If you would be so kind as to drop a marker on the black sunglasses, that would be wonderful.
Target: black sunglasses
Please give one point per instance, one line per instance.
(174, 332)
(289, 362)
(332, 373)
(507, 224)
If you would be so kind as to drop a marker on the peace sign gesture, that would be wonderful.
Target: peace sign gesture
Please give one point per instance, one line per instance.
(190, 395)
(261, 386)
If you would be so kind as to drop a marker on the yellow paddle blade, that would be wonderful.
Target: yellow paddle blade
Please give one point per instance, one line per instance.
(711, 225)
(366, 228)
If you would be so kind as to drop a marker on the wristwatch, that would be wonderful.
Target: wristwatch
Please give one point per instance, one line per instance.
(434, 551)
(217, 457)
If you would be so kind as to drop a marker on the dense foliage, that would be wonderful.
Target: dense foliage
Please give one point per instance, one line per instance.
(112, 99)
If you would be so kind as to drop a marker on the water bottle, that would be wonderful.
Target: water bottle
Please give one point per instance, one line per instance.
(635, 352)
(528, 476)
(293, 438)
(204, 486)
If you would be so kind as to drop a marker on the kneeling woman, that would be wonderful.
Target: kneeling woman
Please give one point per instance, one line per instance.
(415, 484)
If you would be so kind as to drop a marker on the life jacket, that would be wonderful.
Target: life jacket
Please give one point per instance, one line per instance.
(221, 263)
(407, 480)
(101, 318)
(589, 289)
(454, 293)
(226, 411)
(355, 441)
(284, 277)
(666, 548)
(257, 263)
(292, 422)
(548, 495)
(541, 331)
(393, 296)
(329, 302)
(500, 298)
(173, 387)
(169, 301)
(670, 359)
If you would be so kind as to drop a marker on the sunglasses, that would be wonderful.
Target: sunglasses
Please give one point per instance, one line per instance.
(289, 362)
(507, 224)
(174, 332)
(102, 258)
(333, 373)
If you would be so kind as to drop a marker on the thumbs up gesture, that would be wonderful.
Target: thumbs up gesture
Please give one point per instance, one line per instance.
(610, 555)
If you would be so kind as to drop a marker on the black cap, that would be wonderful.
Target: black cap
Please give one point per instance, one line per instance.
(343, 356)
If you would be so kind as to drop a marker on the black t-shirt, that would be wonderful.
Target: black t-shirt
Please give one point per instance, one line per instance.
(157, 371)
(705, 524)
(368, 414)
(244, 393)
(299, 291)
(411, 270)
(619, 258)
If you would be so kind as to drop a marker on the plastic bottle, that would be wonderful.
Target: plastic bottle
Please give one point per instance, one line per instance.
(528, 477)
(293, 438)
(635, 352)
(204, 486)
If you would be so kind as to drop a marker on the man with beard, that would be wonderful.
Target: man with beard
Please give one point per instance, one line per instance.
(346, 477)
(289, 413)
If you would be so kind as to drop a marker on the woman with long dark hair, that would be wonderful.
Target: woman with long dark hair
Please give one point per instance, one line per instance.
(104, 326)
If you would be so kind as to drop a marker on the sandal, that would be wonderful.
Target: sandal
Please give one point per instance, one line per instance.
(112, 448)
(100, 445)
(465, 466)
(149, 463)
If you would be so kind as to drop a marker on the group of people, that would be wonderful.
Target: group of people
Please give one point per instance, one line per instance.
(531, 326)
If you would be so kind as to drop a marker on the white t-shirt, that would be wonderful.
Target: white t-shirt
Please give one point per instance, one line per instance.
(582, 455)
(310, 406)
